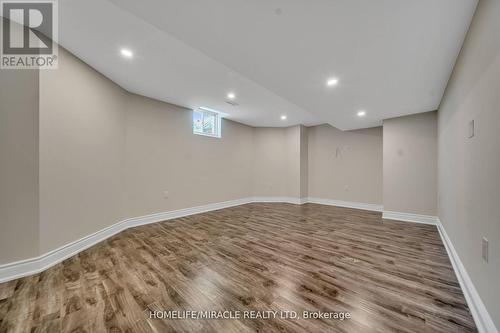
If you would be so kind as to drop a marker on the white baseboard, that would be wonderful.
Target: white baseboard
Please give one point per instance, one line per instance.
(346, 204)
(408, 217)
(38, 264)
(482, 318)
(174, 214)
(291, 200)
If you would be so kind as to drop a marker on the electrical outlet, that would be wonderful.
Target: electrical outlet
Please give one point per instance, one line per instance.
(346, 188)
(471, 129)
(165, 194)
(485, 249)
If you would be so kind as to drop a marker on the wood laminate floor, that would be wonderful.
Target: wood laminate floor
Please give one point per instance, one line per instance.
(390, 276)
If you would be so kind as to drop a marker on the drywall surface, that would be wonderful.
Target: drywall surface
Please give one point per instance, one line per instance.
(82, 141)
(270, 173)
(469, 168)
(280, 162)
(18, 164)
(168, 167)
(410, 164)
(345, 165)
(304, 162)
(293, 180)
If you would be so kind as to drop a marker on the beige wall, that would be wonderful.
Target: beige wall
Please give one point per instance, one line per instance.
(410, 164)
(270, 173)
(280, 162)
(293, 161)
(469, 169)
(163, 154)
(345, 165)
(304, 162)
(82, 138)
(18, 164)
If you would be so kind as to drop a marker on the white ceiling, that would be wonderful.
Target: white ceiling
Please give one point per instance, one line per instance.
(391, 57)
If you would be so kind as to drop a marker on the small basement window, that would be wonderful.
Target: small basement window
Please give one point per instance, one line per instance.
(206, 122)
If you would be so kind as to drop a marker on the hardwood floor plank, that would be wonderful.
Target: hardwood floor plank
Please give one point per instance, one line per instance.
(390, 276)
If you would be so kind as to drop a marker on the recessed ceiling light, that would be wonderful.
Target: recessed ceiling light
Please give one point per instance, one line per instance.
(283, 117)
(126, 53)
(231, 95)
(332, 82)
(361, 113)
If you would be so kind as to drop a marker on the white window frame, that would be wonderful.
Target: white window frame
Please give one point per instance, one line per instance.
(218, 122)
